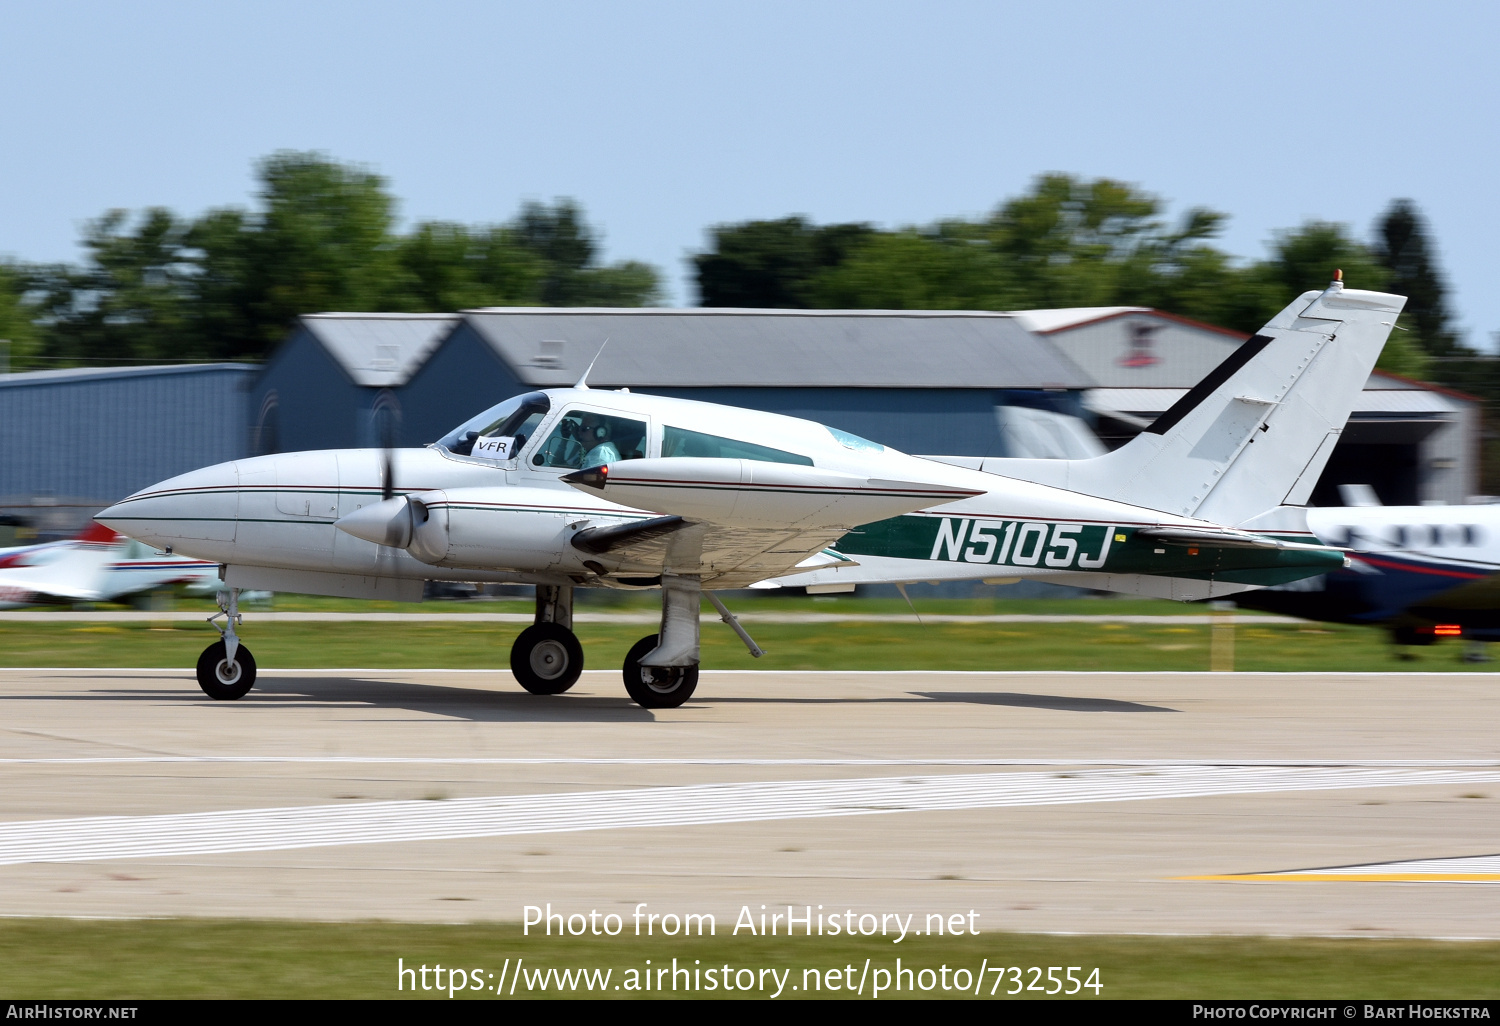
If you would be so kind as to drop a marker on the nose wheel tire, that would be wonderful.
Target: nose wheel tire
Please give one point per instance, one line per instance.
(222, 680)
(546, 659)
(657, 687)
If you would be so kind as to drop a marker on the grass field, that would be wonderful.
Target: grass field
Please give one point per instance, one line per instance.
(51, 958)
(818, 646)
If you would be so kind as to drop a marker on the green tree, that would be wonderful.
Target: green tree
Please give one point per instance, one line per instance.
(567, 247)
(229, 284)
(1401, 247)
(129, 302)
(626, 283)
(772, 264)
(453, 267)
(1305, 259)
(323, 241)
(17, 318)
(1066, 242)
(911, 270)
(224, 302)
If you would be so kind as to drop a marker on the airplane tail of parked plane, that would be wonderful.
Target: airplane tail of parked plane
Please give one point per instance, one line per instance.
(1253, 435)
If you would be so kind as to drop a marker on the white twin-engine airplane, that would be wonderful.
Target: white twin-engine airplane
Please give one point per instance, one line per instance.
(583, 487)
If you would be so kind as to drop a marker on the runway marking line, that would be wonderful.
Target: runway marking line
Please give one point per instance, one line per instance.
(1459, 869)
(1354, 877)
(563, 760)
(95, 838)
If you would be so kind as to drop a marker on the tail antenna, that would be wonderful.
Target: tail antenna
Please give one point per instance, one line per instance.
(583, 382)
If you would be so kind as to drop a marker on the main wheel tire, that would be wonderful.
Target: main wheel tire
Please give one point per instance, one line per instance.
(657, 687)
(546, 659)
(222, 680)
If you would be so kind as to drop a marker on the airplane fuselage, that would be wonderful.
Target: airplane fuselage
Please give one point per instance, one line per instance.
(1412, 567)
(580, 487)
(513, 520)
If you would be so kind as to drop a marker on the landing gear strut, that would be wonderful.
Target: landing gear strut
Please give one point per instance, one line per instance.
(226, 669)
(547, 658)
(661, 670)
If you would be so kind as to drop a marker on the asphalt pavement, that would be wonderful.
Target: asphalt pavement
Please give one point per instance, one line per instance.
(1040, 801)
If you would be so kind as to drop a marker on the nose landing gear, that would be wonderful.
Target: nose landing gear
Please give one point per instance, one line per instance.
(226, 669)
(547, 658)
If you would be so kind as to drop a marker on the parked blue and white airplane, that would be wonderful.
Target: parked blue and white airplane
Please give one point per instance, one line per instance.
(1422, 572)
(581, 487)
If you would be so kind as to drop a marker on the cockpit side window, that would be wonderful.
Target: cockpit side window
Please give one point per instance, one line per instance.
(682, 442)
(499, 432)
(584, 439)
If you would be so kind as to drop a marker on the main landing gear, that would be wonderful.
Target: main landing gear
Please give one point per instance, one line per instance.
(547, 657)
(657, 687)
(226, 669)
(661, 670)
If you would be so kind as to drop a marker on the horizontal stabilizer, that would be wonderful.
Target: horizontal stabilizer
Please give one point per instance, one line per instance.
(1217, 539)
(753, 493)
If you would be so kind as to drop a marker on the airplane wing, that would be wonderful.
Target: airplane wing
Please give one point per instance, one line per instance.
(735, 522)
(728, 557)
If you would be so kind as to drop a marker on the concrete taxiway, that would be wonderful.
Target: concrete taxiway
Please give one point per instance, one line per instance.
(1176, 803)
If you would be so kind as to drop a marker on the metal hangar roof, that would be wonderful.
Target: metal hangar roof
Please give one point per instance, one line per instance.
(379, 350)
(775, 348)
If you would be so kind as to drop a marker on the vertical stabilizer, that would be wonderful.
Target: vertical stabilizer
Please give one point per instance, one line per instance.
(1257, 431)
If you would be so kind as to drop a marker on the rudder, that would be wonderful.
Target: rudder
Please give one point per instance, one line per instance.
(1257, 431)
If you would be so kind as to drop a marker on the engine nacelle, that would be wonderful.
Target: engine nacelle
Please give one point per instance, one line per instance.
(490, 528)
(501, 528)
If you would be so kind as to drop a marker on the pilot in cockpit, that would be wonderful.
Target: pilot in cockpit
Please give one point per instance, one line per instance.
(595, 436)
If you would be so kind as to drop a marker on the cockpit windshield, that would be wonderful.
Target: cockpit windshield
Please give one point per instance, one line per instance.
(500, 431)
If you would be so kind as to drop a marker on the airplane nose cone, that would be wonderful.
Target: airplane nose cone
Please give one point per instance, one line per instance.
(112, 517)
(196, 507)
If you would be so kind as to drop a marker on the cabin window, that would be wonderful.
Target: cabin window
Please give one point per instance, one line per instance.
(858, 444)
(584, 439)
(679, 442)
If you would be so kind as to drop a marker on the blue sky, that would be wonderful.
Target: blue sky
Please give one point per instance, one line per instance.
(665, 118)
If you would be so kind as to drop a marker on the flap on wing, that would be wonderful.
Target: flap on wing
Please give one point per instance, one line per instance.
(752, 493)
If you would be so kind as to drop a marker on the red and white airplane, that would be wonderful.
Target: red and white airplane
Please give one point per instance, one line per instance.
(97, 565)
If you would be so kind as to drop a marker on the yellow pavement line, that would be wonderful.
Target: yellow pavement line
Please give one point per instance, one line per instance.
(1353, 877)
